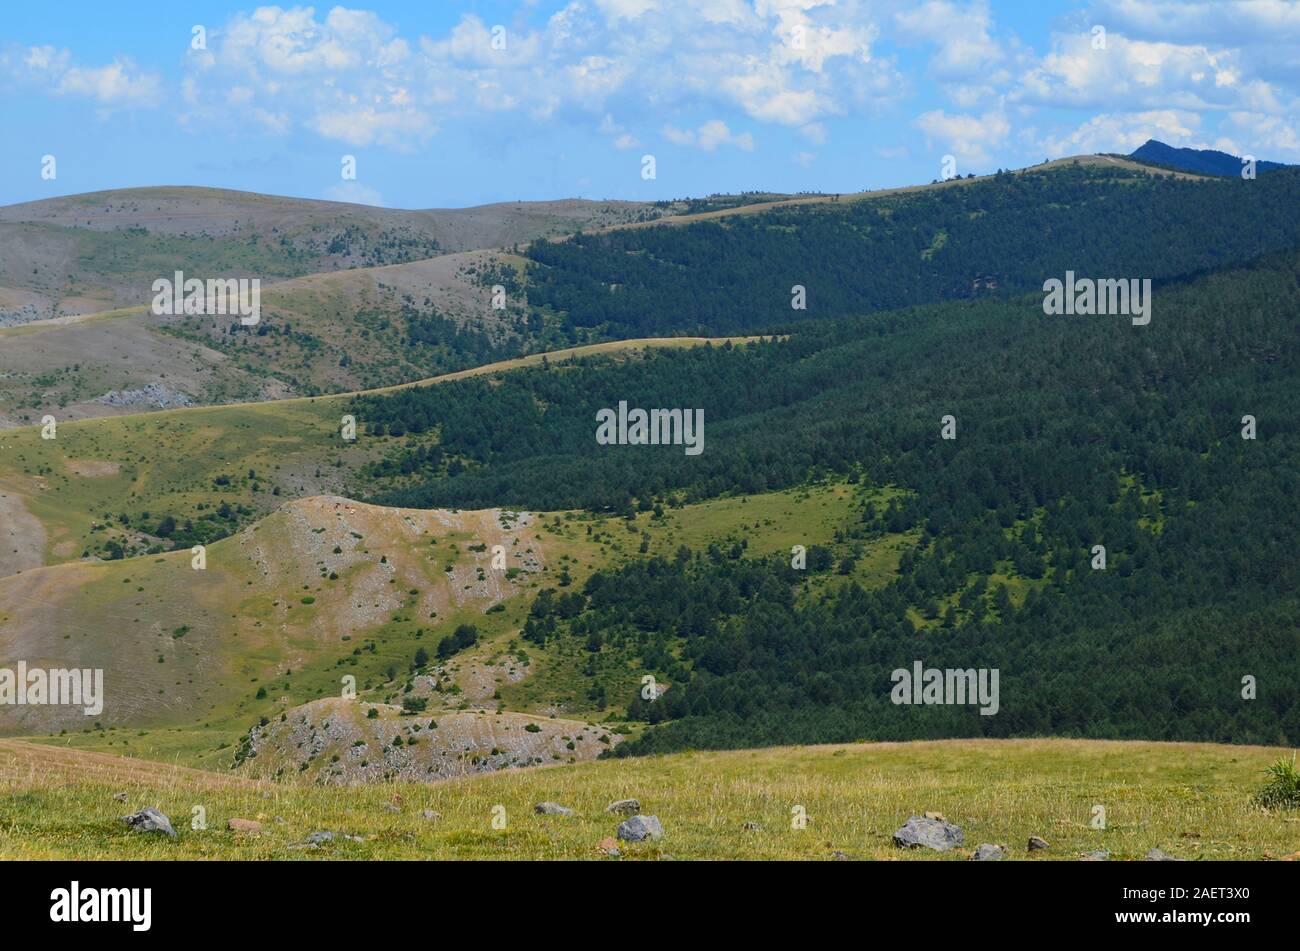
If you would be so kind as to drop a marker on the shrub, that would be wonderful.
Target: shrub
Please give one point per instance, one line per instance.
(1283, 790)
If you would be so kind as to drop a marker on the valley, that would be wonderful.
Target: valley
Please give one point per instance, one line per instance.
(370, 568)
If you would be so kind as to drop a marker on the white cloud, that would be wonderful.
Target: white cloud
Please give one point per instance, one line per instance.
(1124, 132)
(1234, 23)
(367, 125)
(349, 75)
(621, 138)
(626, 9)
(709, 137)
(119, 84)
(1263, 136)
(969, 137)
(966, 48)
(1142, 74)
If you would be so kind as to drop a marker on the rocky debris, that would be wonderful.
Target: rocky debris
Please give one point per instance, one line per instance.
(984, 852)
(640, 828)
(838, 856)
(624, 807)
(1098, 856)
(332, 742)
(937, 834)
(1156, 855)
(244, 825)
(151, 394)
(551, 809)
(430, 815)
(316, 839)
(1037, 844)
(150, 820)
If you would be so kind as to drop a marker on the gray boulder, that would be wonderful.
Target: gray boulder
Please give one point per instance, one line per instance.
(150, 820)
(624, 807)
(935, 834)
(640, 828)
(320, 838)
(1155, 855)
(551, 809)
(988, 853)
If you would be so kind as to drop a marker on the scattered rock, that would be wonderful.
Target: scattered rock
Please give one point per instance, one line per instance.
(1098, 856)
(838, 856)
(639, 828)
(151, 394)
(624, 807)
(552, 809)
(1037, 844)
(430, 815)
(316, 839)
(936, 834)
(1155, 855)
(989, 853)
(150, 820)
(244, 825)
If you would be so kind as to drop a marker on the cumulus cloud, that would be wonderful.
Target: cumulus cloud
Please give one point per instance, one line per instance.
(1264, 136)
(969, 137)
(119, 84)
(709, 137)
(962, 33)
(1184, 70)
(1124, 132)
(350, 76)
(1142, 74)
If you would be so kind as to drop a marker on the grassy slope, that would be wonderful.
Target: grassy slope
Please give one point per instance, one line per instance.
(350, 329)
(244, 629)
(1192, 800)
(109, 465)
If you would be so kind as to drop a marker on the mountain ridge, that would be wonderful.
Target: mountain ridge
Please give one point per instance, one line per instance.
(1201, 161)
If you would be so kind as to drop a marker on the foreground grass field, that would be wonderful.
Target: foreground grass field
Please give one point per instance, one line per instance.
(1191, 800)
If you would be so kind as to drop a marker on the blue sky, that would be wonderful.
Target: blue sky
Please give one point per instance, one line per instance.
(726, 95)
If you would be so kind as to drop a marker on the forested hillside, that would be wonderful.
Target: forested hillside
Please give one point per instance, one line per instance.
(1070, 432)
(992, 238)
(1202, 161)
